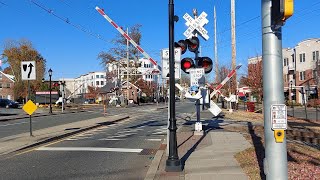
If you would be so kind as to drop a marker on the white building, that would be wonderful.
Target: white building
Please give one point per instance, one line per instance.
(143, 67)
(94, 79)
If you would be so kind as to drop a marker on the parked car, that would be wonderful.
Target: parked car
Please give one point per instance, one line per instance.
(8, 103)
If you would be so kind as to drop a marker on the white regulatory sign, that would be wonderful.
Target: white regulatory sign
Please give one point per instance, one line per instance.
(278, 116)
(197, 77)
(165, 63)
(28, 70)
(196, 25)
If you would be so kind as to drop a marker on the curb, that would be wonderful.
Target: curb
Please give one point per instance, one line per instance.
(39, 115)
(152, 171)
(55, 138)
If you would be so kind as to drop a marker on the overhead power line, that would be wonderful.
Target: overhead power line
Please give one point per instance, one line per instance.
(66, 20)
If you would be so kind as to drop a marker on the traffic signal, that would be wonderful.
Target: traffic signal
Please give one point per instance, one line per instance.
(181, 44)
(281, 10)
(187, 64)
(192, 44)
(206, 63)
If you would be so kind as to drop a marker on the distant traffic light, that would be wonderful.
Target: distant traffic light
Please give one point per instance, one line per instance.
(187, 64)
(206, 63)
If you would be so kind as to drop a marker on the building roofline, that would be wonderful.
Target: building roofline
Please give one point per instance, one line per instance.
(8, 76)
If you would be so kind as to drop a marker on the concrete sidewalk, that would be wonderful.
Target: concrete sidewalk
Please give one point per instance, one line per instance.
(206, 157)
(22, 141)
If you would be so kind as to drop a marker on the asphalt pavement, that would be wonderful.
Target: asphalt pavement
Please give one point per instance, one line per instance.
(122, 150)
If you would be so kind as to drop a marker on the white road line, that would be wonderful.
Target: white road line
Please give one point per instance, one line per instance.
(13, 124)
(109, 139)
(154, 139)
(92, 149)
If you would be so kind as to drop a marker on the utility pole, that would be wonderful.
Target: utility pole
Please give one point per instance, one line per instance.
(233, 46)
(215, 45)
(127, 69)
(275, 162)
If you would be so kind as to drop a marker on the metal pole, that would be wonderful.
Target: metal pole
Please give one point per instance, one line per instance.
(303, 91)
(292, 101)
(127, 69)
(62, 83)
(30, 120)
(173, 163)
(50, 105)
(275, 162)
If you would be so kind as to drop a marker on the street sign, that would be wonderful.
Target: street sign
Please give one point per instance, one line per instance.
(278, 116)
(165, 63)
(196, 25)
(197, 77)
(29, 107)
(28, 70)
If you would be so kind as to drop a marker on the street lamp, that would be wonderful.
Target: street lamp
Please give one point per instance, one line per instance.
(291, 94)
(50, 74)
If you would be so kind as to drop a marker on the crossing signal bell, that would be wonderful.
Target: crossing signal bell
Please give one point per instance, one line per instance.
(281, 11)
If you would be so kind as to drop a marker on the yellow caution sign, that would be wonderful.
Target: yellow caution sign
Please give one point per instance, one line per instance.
(29, 107)
(279, 135)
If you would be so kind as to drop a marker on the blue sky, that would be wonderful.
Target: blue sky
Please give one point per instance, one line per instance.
(71, 52)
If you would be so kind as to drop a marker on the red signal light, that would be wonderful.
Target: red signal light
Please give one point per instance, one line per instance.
(206, 63)
(186, 64)
(193, 44)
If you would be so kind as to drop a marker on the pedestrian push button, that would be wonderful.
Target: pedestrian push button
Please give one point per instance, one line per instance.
(279, 135)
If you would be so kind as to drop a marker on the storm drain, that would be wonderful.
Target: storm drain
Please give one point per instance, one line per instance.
(148, 152)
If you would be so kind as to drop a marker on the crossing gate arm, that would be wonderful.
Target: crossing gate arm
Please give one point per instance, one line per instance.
(125, 35)
(233, 72)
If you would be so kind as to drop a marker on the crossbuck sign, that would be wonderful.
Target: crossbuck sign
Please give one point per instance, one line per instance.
(196, 25)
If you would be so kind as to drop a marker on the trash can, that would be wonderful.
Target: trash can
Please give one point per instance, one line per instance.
(250, 106)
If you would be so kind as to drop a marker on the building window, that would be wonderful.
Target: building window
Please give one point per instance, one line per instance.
(315, 74)
(315, 55)
(302, 75)
(101, 76)
(303, 57)
(286, 62)
(97, 76)
(0, 85)
(8, 85)
(97, 83)
(102, 83)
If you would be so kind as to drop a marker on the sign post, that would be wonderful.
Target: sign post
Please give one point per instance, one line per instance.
(28, 72)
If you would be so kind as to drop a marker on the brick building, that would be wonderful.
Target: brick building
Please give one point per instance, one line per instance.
(301, 67)
(6, 86)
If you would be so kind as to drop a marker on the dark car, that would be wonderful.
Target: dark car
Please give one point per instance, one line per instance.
(8, 103)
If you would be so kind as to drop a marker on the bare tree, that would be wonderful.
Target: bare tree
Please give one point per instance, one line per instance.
(120, 47)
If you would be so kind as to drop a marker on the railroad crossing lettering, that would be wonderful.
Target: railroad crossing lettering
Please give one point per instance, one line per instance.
(196, 25)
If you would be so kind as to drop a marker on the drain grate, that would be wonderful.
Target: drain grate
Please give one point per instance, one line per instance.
(148, 152)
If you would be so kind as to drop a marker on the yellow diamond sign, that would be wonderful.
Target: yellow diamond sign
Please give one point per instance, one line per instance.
(29, 107)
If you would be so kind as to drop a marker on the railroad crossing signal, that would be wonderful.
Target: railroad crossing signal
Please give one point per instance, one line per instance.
(193, 45)
(196, 25)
